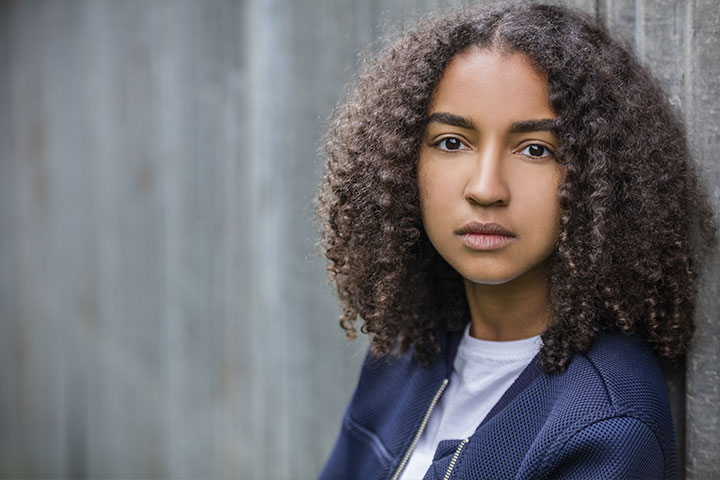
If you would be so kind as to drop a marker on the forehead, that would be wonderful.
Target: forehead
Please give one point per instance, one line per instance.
(488, 84)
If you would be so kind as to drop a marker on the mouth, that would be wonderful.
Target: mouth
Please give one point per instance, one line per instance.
(477, 228)
(485, 236)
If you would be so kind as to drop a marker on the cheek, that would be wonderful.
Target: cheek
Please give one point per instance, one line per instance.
(425, 186)
(438, 178)
(537, 204)
(434, 193)
(429, 207)
(548, 214)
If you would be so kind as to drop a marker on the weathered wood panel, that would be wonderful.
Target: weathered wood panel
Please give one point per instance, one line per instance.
(163, 312)
(701, 58)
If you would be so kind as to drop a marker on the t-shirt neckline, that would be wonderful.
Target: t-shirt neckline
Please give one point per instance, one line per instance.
(499, 351)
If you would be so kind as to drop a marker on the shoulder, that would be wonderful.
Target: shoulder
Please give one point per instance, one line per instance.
(624, 370)
(613, 411)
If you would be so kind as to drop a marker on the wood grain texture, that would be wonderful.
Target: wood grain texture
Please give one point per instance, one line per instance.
(164, 311)
(702, 89)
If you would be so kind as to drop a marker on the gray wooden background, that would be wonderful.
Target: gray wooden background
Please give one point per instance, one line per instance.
(163, 311)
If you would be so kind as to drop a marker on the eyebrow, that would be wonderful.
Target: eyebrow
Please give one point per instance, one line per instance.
(451, 119)
(523, 126)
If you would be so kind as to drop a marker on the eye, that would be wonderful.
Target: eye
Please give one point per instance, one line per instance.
(537, 151)
(451, 144)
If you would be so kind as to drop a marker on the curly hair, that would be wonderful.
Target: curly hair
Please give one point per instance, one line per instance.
(635, 218)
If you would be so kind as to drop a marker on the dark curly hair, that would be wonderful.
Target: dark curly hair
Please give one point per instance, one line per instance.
(635, 218)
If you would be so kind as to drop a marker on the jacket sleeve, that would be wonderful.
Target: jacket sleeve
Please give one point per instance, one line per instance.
(614, 448)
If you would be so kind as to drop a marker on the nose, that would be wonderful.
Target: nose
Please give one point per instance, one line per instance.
(487, 184)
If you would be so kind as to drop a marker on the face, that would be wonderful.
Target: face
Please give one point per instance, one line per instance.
(487, 174)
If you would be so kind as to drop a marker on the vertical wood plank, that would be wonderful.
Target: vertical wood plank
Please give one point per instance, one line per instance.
(41, 311)
(124, 432)
(11, 351)
(702, 82)
(267, 383)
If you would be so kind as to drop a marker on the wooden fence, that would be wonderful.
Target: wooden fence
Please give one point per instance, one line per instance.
(162, 310)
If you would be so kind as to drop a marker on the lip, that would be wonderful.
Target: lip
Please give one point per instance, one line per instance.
(485, 236)
(485, 228)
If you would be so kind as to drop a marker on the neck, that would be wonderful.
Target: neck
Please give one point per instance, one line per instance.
(511, 311)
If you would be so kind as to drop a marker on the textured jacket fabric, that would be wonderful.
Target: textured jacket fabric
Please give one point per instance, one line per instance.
(607, 416)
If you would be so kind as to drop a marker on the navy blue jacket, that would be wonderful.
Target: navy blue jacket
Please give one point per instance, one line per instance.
(607, 416)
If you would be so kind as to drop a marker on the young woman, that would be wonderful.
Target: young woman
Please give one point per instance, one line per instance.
(511, 208)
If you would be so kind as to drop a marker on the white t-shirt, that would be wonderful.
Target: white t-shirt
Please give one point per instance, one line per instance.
(482, 372)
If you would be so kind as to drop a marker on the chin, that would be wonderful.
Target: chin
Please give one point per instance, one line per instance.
(488, 281)
(487, 278)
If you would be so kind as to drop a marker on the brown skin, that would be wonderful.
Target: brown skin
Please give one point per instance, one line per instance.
(487, 172)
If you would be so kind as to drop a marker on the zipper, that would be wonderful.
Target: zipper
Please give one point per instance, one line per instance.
(420, 430)
(454, 459)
